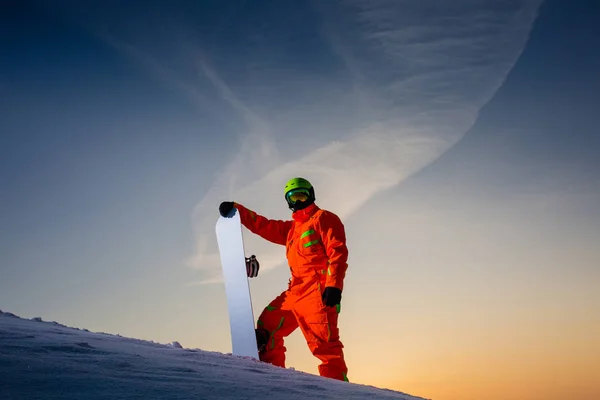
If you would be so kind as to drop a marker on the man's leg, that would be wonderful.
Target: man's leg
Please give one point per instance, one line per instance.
(319, 325)
(279, 323)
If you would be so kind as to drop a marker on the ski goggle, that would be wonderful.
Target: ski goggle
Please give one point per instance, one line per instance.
(295, 195)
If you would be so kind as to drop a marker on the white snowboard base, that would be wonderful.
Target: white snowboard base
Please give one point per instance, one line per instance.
(237, 289)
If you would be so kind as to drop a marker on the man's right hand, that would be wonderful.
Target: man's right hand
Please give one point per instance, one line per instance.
(225, 208)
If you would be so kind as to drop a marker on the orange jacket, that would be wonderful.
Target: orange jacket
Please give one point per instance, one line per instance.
(315, 243)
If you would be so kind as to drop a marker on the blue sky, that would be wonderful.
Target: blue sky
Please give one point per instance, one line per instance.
(457, 141)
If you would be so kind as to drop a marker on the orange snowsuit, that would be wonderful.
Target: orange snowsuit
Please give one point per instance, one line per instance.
(317, 255)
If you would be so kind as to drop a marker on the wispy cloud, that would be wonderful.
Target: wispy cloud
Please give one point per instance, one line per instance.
(422, 73)
(169, 77)
(383, 89)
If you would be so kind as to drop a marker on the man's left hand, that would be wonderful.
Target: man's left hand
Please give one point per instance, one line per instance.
(332, 296)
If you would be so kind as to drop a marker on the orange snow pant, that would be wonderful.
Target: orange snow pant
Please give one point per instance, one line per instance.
(318, 323)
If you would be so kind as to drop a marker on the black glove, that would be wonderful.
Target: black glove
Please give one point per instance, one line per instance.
(332, 296)
(225, 208)
(252, 266)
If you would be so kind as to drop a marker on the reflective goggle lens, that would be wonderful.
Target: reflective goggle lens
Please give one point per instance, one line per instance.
(297, 195)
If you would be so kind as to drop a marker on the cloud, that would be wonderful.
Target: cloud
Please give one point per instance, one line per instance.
(415, 78)
(159, 70)
(355, 96)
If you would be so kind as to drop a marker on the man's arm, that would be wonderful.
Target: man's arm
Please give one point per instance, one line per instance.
(275, 231)
(333, 236)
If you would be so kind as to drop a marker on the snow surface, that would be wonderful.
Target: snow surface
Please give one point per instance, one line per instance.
(47, 360)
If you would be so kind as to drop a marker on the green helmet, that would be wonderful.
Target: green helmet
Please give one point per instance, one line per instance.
(295, 185)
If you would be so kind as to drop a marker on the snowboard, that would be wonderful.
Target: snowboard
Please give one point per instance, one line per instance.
(237, 288)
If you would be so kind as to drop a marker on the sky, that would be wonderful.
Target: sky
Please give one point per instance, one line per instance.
(456, 140)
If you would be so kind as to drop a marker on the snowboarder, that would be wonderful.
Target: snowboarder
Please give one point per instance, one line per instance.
(317, 255)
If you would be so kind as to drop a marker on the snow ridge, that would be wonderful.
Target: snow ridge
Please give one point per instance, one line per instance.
(48, 360)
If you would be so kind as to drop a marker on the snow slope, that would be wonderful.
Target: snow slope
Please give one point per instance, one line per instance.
(47, 360)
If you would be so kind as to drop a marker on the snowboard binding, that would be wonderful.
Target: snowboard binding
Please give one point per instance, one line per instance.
(252, 266)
